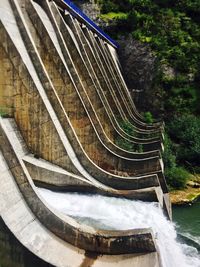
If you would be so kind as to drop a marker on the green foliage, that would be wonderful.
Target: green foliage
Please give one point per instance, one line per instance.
(127, 127)
(139, 148)
(185, 131)
(169, 157)
(182, 149)
(177, 177)
(108, 6)
(182, 100)
(113, 15)
(124, 144)
(148, 117)
(168, 26)
(128, 146)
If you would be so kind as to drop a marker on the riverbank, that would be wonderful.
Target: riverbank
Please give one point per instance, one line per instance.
(187, 195)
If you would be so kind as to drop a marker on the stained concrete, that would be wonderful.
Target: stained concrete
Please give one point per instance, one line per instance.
(55, 138)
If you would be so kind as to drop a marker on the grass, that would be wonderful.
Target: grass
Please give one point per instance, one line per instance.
(113, 15)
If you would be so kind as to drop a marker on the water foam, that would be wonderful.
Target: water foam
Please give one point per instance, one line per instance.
(122, 214)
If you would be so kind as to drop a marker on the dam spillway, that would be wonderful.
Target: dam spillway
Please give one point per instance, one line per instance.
(62, 101)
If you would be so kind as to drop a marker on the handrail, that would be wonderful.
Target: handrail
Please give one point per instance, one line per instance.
(77, 13)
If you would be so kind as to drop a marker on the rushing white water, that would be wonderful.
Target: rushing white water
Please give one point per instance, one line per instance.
(121, 214)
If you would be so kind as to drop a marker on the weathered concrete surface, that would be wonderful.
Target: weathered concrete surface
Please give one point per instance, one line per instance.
(75, 53)
(26, 227)
(107, 242)
(44, 90)
(52, 176)
(116, 182)
(79, 110)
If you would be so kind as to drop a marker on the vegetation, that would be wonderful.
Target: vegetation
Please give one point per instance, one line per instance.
(172, 30)
(124, 144)
(113, 15)
(128, 128)
(3, 112)
(148, 117)
(127, 145)
(177, 177)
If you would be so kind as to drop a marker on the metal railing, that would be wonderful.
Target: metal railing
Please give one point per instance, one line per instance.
(76, 12)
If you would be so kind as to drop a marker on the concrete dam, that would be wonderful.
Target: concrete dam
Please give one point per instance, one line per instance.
(63, 103)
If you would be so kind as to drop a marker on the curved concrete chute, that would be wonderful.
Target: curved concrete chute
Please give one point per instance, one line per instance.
(160, 173)
(100, 81)
(114, 58)
(128, 165)
(68, 18)
(107, 68)
(62, 26)
(118, 90)
(88, 35)
(156, 124)
(111, 60)
(52, 176)
(115, 181)
(28, 229)
(67, 5)
(63, 73)
(105, 83)
(93, 42)
(66, 228)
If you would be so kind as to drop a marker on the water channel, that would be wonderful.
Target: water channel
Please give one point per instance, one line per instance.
(114, 213)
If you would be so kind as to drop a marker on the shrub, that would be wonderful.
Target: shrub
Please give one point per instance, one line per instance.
(109, 6)
(169, 157)
(139, 148)
(148, 117)
(185, 131)
(177, 177)
(124, 144)
(127, 127)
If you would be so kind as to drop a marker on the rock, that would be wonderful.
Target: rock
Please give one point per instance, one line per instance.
(91, 9)
(193, 184)
(139, 67)
(168, 72)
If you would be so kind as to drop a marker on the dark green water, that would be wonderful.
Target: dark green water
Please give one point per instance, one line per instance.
(187, 219)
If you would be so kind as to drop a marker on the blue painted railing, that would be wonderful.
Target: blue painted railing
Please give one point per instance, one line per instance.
(75, 11)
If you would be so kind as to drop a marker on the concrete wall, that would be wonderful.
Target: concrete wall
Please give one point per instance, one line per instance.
(62, 89)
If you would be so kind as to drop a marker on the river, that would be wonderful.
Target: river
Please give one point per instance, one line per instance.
(187, 219)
